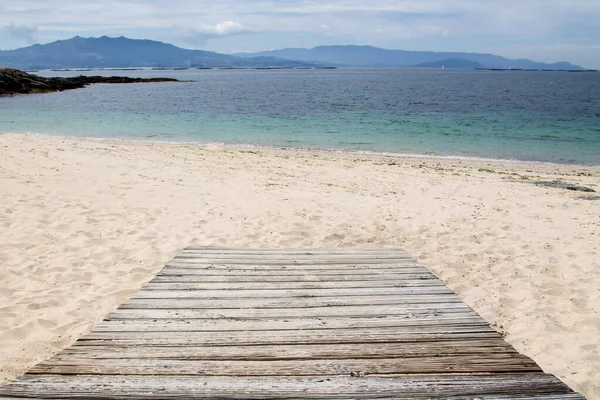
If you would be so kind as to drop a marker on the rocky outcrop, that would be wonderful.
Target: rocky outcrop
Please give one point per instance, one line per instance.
(14, 81)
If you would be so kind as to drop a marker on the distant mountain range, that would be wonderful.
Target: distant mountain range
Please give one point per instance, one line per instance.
(369, 56)
(105, 52)
(121, 52)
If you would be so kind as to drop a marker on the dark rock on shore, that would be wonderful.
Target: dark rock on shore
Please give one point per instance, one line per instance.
(563, 185)
(14, 81)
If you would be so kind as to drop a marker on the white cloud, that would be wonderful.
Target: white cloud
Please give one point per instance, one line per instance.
(198, 36)
(223, 28)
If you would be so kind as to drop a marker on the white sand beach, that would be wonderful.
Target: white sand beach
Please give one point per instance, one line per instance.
(84, 224)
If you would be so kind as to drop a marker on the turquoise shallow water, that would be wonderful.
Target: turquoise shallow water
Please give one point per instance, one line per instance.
(533, 116)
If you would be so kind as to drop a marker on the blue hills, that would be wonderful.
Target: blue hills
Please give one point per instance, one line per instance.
(106, 52)
(369, 56)
(120, 52)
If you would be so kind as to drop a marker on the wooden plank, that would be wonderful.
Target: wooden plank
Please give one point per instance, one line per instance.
(306, 336)
(523, 385)
(291, 261)
(285, 272)
(190, 277)
(290, 285)
(293, 352)
(313, 258)
(192, 263)
(401, 266)
(345, 397)
(197, 249)
(271, 323)
(289, 302)
(289, 293)
(315, 254)
(153, 339)
(225, 324)
(317, 261)
(408, 311)
(494, 362)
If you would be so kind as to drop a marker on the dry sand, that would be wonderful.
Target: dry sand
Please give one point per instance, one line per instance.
(83, 224)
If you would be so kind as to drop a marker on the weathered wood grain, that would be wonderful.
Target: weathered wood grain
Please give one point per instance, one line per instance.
(290, 285)
(293, 261)
(288, 302)
(492, 362)
(265, 263)
(259, 338)
(270, 252)
(293, 352)
(275, 333)
(172, 270)
(522, 386)
(302, 324)
(314, 258)
(191, 263)
(289, 293)
(225, 324)
(407, 311)
(190, 277)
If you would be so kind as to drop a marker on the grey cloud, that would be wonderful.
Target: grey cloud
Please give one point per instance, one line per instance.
(21, 33)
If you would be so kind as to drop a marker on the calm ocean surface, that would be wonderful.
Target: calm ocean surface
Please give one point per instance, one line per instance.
(533, 116)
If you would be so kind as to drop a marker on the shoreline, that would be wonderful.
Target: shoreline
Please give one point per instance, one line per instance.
(14, 81)
(85, 223)
(246, 146)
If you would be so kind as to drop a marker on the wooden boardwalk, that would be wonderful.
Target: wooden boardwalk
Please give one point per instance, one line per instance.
(291, 324)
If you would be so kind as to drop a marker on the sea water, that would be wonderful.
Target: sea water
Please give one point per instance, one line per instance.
(515, 115)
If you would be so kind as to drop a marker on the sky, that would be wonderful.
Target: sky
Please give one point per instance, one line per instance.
(542, 30)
